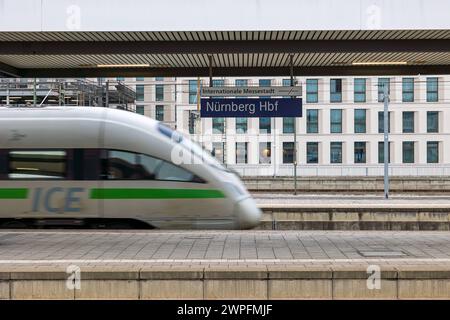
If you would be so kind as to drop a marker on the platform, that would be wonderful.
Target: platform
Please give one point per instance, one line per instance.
(224, 264)
(346, 211)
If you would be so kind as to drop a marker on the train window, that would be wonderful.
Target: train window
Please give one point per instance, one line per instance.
(123, 165)
(42, 164)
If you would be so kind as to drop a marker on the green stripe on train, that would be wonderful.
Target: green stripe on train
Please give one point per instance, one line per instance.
(121, 193)
(13, 193)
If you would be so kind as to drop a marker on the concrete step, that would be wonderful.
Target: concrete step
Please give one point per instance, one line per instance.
(264, 281)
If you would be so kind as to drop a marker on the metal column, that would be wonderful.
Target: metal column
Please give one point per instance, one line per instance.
(291, 64)
(34, 93)
(386, 141)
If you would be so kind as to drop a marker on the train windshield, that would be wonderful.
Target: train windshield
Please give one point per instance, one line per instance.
(192, 146)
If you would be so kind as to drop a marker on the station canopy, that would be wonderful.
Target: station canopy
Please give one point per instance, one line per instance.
(178, 38)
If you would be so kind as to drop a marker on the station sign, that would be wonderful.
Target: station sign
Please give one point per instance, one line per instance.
(250, 108)
(251, 91)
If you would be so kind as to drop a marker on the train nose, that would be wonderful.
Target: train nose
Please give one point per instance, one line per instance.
(248, 213)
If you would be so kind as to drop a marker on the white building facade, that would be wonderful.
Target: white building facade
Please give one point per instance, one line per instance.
(340, 133)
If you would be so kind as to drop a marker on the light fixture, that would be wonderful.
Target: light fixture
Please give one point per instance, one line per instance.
(379, 63)
(142, 65)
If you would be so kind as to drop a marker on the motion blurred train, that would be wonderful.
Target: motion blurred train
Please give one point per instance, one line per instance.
(100, 167)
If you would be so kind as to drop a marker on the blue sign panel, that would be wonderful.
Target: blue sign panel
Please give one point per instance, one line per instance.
(243, 108)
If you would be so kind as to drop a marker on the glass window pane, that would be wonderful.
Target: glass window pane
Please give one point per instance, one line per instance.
(408, 152)
(408, 122)
(218, 151)
(192, 91)
(265, 83)
(140, 110)
(241, 125)
(312, 152)
(241, 152)
(432, 121)
(381, 83)
(381, 152)
(159, 92)
(43, 164)
(218, 125)
(288, 125)
(381, 121)
(312, 121)
(159, 113)
(288, 152)
(336, 90)
(360, 152)
(432, 152)
(408, 89)
(312, 90)
(360, 120)
(139, 92)
(336, 152)
(264, 125)
(265, 152)
(360, 90)
(432, 89)
(336, 121)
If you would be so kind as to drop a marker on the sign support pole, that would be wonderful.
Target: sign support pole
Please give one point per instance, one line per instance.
(386, 141)
(295, 127)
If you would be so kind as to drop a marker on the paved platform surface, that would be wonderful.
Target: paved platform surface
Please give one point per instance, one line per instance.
(224, 265)
(223, 247)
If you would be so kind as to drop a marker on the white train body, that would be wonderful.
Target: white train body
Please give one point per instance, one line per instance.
(86, 163)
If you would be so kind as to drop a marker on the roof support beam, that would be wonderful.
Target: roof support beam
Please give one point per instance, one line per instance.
(215, 47)
(239, 71)
(8, 71)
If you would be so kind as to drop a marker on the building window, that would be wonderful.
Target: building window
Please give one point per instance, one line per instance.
(336, 120)
(286, 83)
(192, 91)
(265, 152)
(241, 125)
(381, 121)
(218, 83)
(312, 121)
(140, 109)
(381, 83)
(288, 152)
(432, 89)
(218, 151)
(408, 89)
(120, 79)
(264, 125)
(360, 90)
(432, 121)
(408, 122)
(265, 83)
(432, 152)
(312, 152)
(140, 79)
(241, 82)
(360, 152)
(336, 152)
(139, 92)
(159, 113)
(408, 151)
(42, 164)
(312, 90)
(336, 90)
(192, 117)
(381, 152)
(159, 92)
(360, 120)
(159, 78)
(124, 165)
(218, 125)
(288, 125)
(241, 152)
